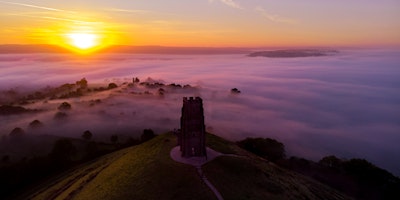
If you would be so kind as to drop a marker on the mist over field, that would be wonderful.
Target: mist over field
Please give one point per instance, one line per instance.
(347, 104)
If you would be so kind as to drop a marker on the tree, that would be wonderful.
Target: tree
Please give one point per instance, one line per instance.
(17, 132)
(264, 147)
(161, 91)
(235, 91)
(112, 86)
(35, 124)
(331, 161)
(148, 134)
(60, 115)
(87, 135)
(64, 106)
(82, 83)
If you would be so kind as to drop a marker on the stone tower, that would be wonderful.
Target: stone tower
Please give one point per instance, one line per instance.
(192, 136)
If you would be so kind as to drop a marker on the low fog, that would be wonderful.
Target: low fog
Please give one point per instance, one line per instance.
(347, 105)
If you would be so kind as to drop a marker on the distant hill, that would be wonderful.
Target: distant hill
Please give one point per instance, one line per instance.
(175, 50)
(293, 53)
(146, 171)
(285, 53)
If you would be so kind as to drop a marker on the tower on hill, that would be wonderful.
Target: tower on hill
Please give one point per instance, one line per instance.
(192, 138)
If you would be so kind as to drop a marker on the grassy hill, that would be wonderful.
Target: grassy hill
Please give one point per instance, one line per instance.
(146, 171)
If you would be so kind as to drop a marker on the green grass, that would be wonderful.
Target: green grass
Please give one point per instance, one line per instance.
(146, 171)
(226, 172)
(141, 172)
(219, 144)
(249, 178)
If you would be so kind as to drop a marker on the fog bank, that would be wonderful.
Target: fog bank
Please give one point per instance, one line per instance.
(347, 104)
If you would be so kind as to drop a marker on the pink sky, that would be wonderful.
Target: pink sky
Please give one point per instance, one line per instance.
(204, 22)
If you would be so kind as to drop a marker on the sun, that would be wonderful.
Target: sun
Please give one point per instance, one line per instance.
(83, 41)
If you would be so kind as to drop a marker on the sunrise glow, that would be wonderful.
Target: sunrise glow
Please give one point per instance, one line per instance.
(235, 23)
(83, 40)
(201, 99)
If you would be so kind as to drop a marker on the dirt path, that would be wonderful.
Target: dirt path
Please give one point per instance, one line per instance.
(208, 183)
(198, 162)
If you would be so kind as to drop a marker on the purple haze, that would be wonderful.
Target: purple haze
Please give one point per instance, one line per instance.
(347, 105)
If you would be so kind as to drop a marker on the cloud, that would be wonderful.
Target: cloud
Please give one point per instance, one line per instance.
(137, 12)
(49, 17)
(273, 17)
(33, 6)
(70, 20)
(129, 11)
(230, 3)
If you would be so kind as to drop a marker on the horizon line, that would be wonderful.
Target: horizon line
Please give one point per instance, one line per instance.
(160, 49)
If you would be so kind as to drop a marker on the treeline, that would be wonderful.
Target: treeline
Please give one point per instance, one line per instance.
(17, 177)
(355, 177)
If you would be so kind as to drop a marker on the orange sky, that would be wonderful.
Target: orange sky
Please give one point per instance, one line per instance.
(204, 22)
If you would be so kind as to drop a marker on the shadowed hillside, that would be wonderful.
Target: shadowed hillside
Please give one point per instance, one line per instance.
(146, 171)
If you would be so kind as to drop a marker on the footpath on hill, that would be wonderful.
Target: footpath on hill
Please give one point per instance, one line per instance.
(198, 162)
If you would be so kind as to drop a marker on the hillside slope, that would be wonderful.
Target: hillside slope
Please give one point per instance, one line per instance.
(147, 172)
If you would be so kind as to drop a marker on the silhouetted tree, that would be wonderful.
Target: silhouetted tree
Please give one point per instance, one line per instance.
(331, 161)
(187, 86)
(35, 124)
(148, 134)
(112, 86)
(82, 83)
(64, 106)
(235, 91)
(161, 91)
(87, 135)
(135, 80)
(267, 148)
(60, 115)
(17, 132)
(175, 85)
